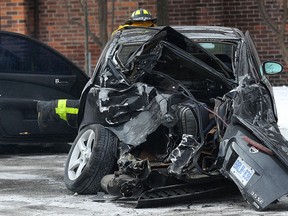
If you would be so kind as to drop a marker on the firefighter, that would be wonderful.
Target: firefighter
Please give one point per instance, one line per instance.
(141, 18)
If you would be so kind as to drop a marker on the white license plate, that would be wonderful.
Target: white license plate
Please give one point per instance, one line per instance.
(242, 171)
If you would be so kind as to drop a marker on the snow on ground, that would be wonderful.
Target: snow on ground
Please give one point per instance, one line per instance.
(281, 99)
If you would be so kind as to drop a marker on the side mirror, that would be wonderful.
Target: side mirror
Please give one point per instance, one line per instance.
(271, 67)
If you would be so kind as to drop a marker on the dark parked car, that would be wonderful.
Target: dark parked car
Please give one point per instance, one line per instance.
(32, 71)
(179, 108)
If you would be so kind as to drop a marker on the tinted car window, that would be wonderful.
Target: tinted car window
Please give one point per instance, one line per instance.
(126, 50)
(22, 55)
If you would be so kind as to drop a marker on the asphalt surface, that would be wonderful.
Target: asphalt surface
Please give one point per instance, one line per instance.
(31, 183)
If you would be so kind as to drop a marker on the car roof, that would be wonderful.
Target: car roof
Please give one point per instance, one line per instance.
(138, 34)
(217, 32)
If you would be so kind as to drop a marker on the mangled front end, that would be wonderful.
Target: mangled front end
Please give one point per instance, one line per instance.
(180, 122)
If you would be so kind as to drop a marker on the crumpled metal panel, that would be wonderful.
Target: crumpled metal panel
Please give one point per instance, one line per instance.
(182, 157)
(260, 177)
(253, 108)
(133, 132)
(252, 145)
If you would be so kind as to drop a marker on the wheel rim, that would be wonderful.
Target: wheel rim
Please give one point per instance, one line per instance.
(81, 154)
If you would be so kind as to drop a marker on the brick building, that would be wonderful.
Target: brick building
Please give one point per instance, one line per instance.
(58, 22)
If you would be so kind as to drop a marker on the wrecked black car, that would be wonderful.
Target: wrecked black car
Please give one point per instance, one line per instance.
(172, 108)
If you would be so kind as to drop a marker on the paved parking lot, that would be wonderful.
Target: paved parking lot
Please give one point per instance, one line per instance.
(31, 183)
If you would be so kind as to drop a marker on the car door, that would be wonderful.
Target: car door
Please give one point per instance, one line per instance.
(258, 71)
(32, 71)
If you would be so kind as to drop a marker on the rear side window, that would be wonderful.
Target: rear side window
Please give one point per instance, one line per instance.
(219, 48)
(224, 51)
(22, 55)
(126, 51)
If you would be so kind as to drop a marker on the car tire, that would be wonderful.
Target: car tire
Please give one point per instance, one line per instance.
(92, 156)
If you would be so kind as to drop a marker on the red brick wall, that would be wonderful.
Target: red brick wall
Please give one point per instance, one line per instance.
(56, 30)
(195, 12)
(245, 15)
(16, 16)
(68, 38)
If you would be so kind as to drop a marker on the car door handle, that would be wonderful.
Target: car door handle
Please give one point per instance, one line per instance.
(59, 82)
